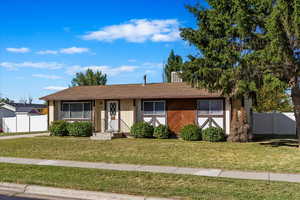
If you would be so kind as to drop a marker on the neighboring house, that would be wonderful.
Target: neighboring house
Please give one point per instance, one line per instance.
(14, 109)
(115, 108)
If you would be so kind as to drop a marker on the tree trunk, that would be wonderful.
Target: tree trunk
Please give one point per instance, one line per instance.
(239, 127)
(296, 102)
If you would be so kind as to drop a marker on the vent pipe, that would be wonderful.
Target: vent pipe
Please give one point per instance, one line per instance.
(145, 79)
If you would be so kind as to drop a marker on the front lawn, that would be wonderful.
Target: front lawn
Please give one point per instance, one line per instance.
(267, 156)
(149, 184)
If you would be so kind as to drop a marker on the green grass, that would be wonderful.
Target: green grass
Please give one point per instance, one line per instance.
(267, 156)
(21, 133)
(149, 184)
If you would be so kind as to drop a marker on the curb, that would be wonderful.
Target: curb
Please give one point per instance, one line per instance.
(70, 193)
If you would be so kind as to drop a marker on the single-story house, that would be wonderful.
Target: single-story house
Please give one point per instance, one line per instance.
(14, 109)
(115, 108)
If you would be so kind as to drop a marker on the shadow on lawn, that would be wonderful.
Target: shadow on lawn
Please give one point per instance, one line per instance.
(277, 140)
(281, 142)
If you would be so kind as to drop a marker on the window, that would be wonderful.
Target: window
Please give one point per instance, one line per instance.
(210, 107)
(76, 110)
(154, 107)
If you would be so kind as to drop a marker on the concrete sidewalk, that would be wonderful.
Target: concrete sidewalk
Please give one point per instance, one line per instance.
(23, 136)
(268, 176)
(41, 192)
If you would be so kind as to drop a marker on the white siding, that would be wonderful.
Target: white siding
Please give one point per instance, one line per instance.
(147, 119)
(202, 120)
(161, 120)
(219, 121)
(227, 115)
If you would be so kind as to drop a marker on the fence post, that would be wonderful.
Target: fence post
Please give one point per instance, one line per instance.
(273, 123)
(16, 123)
(29, 116)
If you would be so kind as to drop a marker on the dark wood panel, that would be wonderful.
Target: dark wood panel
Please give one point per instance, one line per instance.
(180, 112)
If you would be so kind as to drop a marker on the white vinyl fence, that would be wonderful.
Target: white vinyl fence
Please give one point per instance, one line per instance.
(25, 123)
(274, 123)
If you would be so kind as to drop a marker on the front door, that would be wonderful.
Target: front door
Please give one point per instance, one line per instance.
(112, 108)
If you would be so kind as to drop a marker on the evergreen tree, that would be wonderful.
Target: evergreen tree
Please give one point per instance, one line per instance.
(89, 78)
(228, 35)
(281, 55)
(273, 96)
(174, 64)
(243, 41)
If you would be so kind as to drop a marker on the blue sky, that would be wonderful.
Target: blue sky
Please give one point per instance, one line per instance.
(44, 42)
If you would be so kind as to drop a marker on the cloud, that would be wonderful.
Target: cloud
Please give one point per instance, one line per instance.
(53, 77)
(37, 65)
(138, 30)
(54, 88)
(153, 64)
(73, 50)
(44, 52)
(18, 50)
(111, 71)
(132, 60)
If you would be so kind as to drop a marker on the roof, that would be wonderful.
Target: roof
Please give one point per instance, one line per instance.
(131, 91)
(21, 107)
(7, 106)
(25, 105)
(25, 109)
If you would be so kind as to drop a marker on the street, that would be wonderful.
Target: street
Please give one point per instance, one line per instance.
(10, 195)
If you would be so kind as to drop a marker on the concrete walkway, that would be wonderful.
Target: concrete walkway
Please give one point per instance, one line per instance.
(23, 136)
(41, 192)
(268, 176)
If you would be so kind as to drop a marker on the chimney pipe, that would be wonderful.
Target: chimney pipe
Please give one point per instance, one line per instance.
(145, 79)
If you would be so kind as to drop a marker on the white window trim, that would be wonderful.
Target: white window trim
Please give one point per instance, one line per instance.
(74, 102)
(153, 114)
(209, 111)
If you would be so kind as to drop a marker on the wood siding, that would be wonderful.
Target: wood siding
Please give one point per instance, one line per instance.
(180, 112)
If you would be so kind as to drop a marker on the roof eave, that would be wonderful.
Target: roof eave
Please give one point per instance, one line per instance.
(137, 97)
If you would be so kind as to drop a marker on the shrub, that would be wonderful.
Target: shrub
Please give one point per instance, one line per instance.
(80, 129)
(141, 130)
(213, 134)
(190, 132)
(161, 132)
(58, 128)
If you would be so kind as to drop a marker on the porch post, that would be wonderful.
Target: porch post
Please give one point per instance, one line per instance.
(102, 116)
